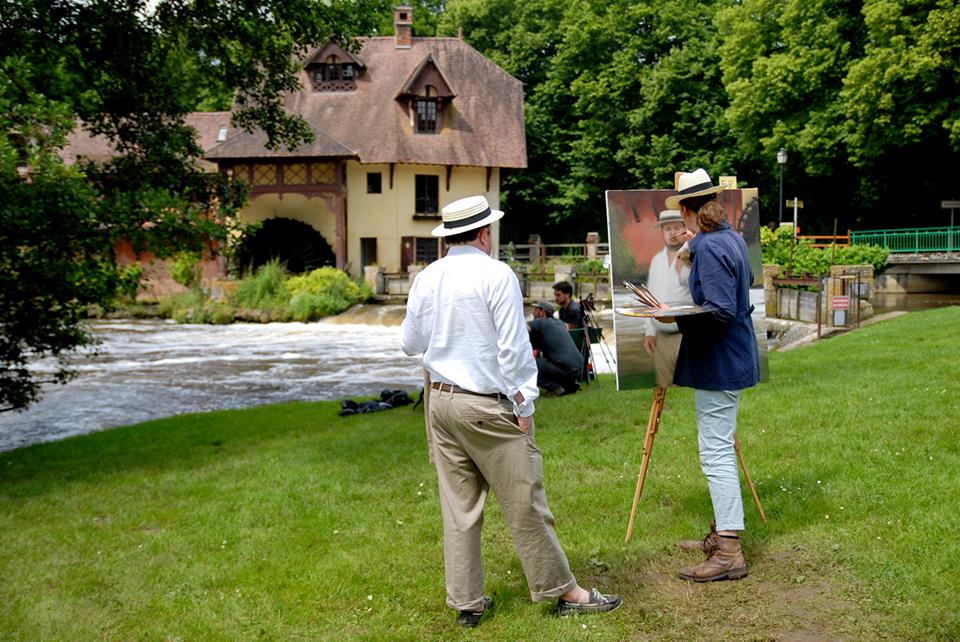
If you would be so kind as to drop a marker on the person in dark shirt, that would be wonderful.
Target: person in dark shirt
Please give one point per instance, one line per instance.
(558, 360)
(570, 311)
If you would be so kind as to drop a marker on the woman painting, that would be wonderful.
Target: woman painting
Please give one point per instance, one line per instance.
(718, 358)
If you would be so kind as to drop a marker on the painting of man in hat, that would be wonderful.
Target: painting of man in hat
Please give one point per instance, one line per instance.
(639, 247)
(668, 281)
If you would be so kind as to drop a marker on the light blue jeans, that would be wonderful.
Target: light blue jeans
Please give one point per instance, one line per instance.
(717, 429)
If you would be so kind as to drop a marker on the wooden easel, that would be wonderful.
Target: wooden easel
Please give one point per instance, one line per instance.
(653, 424)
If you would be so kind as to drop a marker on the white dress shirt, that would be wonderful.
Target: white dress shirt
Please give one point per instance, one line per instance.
(465, 315)
(669, 282)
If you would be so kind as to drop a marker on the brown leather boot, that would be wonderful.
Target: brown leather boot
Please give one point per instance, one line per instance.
(707, 544)
(725, 563)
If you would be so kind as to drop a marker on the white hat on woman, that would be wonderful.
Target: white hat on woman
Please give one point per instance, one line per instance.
(690, 184)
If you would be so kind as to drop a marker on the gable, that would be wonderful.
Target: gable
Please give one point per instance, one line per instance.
(427, 74)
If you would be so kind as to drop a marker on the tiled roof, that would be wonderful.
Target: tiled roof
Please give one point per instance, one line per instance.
(244, 145)
(482, 127)
(81, 144)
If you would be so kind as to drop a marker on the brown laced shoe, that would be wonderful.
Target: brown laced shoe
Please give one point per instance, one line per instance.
(708, 544)
(725, 563)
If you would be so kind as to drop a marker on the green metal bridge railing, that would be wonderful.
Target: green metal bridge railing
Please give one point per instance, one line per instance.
(925, 239)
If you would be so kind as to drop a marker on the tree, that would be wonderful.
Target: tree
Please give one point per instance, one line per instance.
(128, 74)
(619, 95)
(864, 96)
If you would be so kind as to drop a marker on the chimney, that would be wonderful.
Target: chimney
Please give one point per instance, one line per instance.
(403, 26)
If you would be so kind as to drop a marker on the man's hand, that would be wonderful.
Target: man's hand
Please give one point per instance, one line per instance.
(525, 423)
(649, 343)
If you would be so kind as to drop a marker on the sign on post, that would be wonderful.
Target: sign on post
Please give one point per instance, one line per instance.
(950, 205)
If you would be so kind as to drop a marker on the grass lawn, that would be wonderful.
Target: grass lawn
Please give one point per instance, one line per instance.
(290, 523)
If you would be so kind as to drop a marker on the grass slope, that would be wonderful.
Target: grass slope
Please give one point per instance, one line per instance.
(290, 523)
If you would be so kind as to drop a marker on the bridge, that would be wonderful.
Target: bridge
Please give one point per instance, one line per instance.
(921, 259)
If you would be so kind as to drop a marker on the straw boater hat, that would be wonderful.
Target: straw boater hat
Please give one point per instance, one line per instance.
(669, 216)
(690, 184)
(466, 214)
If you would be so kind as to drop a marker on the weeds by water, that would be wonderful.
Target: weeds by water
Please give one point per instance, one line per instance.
(270, 294)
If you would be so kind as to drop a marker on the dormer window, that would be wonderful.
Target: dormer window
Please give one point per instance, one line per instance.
(426, 108)
(426, 93)
(333, 69)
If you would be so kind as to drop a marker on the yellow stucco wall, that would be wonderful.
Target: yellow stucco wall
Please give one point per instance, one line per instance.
(315, 212)
(388, 216)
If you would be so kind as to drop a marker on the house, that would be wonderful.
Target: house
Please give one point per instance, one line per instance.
(402, 126)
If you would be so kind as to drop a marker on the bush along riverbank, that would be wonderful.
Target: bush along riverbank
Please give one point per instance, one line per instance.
(270, 294)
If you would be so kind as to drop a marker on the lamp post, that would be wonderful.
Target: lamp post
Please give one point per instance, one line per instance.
(781, 161)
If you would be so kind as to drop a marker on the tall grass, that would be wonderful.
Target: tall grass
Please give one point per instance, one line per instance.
(288, 522)
(265, 290)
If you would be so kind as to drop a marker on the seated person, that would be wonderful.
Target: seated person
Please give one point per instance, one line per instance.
(570, 311)
(558, 360)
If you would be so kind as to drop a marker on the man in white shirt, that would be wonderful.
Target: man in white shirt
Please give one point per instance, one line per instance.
(465, 316)
(668, 281)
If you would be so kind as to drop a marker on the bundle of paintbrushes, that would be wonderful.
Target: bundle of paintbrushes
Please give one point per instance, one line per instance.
(644, 295)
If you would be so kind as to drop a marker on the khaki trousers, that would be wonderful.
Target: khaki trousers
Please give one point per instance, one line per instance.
(478, 447)
(665, 357)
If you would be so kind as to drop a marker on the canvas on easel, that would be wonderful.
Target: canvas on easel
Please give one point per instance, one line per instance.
(635, 240)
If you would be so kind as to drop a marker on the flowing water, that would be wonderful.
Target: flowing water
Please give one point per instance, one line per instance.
(150, 369)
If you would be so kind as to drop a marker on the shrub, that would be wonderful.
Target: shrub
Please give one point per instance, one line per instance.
(264, 290)
(323, 292)
(185, 269)
(801, 258)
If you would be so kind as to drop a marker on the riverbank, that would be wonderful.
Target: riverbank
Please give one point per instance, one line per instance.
(288, 522)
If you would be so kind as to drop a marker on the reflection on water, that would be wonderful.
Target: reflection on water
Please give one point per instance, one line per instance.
(913, 301)
(151, 369)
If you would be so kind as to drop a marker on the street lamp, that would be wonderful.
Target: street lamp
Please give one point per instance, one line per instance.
(781, 161)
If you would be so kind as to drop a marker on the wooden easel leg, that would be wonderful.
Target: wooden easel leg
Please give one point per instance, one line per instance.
(753, 489)
(656, 408)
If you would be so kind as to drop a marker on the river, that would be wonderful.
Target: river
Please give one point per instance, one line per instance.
(150, 369)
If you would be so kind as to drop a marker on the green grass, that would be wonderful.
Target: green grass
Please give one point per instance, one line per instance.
(290, 523)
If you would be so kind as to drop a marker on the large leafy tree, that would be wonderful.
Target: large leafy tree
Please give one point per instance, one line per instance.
(128, 71)
(864, 97)
(618, 95)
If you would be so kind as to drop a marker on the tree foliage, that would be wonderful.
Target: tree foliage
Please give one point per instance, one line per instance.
(863, 96)
(129, 72)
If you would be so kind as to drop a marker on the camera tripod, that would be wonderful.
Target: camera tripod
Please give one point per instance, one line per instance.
(595, 331)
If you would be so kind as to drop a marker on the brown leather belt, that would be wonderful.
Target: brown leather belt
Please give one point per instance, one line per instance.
(449, 387)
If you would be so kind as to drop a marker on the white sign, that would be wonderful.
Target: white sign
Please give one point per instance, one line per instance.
(950, 205)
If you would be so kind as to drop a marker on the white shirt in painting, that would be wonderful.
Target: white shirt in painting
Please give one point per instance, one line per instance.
(669, 282)
(465, 316)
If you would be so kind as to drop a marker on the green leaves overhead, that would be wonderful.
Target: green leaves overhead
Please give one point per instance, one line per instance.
(864, 97)
(128, 72)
